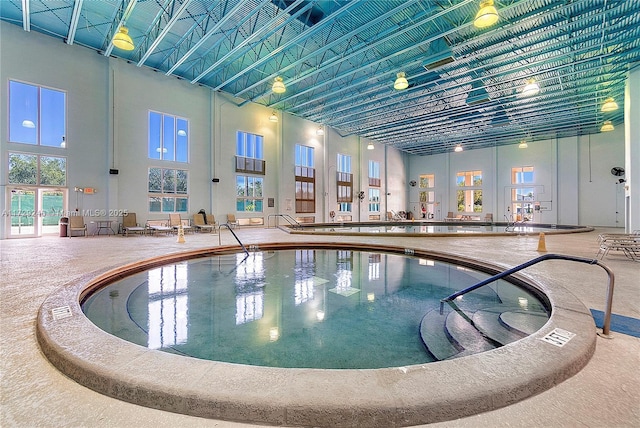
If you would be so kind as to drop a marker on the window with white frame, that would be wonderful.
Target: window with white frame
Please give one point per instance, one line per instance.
(344, 183)
(168, 137)
(37, 115)
(37, 170)
(522, 193)
(168, 190)
(249, 193)
(469, 194)
(427, 195)
(249, 153)
(305, 178)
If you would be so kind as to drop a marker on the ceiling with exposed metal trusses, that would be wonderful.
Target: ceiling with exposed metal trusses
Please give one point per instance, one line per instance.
(339, 59)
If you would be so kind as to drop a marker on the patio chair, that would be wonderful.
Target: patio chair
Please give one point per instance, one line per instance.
(175, 221)
(157, 226)
(130, 224)
(232, 221)
(77, 224)
(204, 222)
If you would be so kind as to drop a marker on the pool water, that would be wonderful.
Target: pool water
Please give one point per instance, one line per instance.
(313, 308)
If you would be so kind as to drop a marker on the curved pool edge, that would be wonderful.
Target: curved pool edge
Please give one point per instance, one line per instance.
(400, 396)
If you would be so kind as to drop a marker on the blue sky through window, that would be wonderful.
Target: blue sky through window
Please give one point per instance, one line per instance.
(36, 115)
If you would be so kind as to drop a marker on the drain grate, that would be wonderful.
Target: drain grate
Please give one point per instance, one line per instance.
(558, 337)
(61, 312)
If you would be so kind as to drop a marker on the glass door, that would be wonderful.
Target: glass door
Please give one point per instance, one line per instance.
(35, 211)
(22, 216)
(52, 203)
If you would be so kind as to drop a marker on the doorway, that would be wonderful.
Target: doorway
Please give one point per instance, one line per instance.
(34, 211)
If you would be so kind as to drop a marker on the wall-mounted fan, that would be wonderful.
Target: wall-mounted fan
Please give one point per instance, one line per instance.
(617, 171)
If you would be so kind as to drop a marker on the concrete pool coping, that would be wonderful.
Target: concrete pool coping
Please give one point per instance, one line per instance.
(342, 228)
(398, 396)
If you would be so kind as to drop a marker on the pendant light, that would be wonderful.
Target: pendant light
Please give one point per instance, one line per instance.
(531, 88)
(320, 130)
(487, 15)
(370, 146)
(607, 126)
(278, 86)
(609, 105)
(523, 145)
(458, 148)
(401, 82)
(122, 40)
(273, 117)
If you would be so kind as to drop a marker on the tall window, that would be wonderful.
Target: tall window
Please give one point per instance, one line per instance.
(249, 193)
(168, 190)
(305, 175)
(168, 137)
(344, 181)
(374, 186)
(249, 153)
(426, 184)
(37, 115)
(522, 193)
(469, 193)
(374, 173)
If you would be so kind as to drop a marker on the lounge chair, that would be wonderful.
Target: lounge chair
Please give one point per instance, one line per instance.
(76, 223)
(202, 223)
(130, 224)
(231, 221)
(175, 221)
(157, 226)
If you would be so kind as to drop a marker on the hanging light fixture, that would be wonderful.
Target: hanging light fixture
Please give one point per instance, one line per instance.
(278, 86)
(370, 146)
(609, 105)
(523, 145)
(531, 88)
(401, 82)
(273, 117)
(122, 40)
(487, 15)
(320, 130)
(458, 148)
(607, 126)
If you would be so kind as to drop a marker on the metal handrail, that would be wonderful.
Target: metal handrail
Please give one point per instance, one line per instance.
(287, 217)
(234, 235)
(607, 315)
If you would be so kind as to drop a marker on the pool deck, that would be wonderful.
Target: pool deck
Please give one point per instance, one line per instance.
(606, 392)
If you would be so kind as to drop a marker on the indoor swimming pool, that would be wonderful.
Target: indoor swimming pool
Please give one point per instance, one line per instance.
(342, 301)
(311, 308)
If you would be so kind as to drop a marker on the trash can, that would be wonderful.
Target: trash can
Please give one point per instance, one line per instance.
(64, 224)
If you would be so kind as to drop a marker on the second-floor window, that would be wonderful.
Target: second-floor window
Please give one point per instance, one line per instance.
(168, 137)
(37, 115)
(249, 153)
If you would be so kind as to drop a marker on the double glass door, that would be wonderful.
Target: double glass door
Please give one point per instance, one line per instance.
(34, 211)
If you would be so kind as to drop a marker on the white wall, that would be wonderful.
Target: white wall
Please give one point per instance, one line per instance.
(572, 178)
(108, 101)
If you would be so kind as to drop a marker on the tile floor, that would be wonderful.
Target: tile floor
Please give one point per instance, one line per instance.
(33, 393)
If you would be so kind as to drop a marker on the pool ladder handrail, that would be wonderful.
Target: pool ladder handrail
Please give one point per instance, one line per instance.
(606, 326)
(292, 221)
(234, 235)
